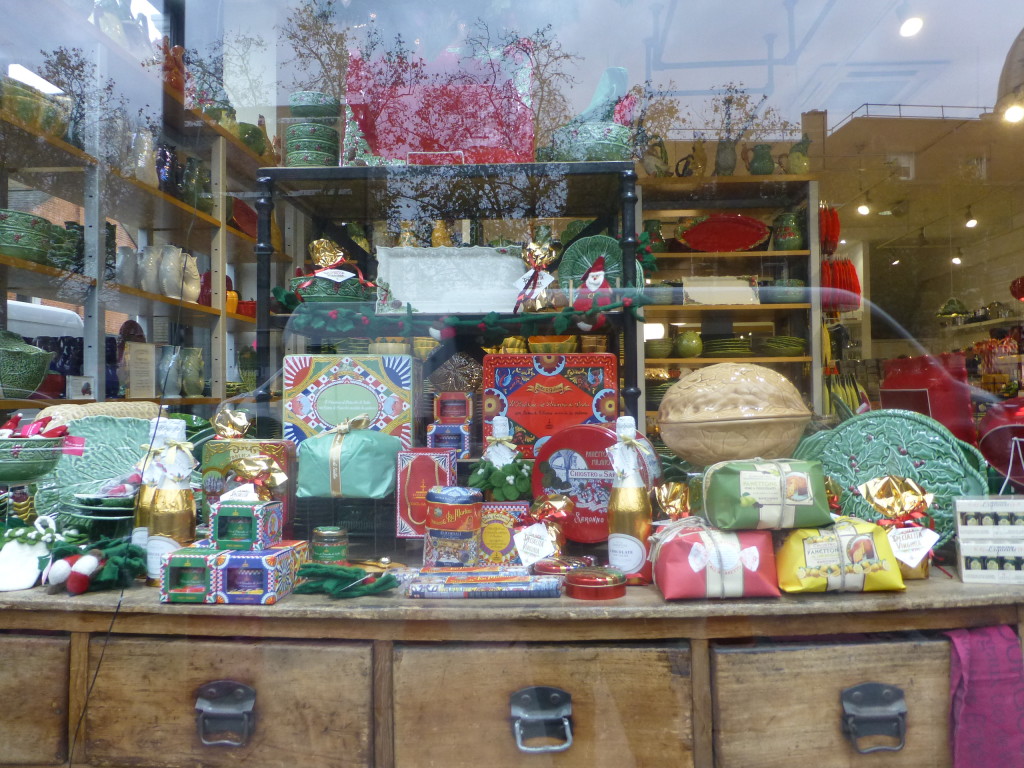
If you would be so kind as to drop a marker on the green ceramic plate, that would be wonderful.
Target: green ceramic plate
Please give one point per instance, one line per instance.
(113, 446)
(89, 500)
(581, 255)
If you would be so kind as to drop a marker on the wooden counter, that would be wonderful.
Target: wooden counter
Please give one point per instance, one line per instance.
(408, 662)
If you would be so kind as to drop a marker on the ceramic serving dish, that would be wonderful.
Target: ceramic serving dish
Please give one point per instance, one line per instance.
(732, 411)
(312, 158)
(313, 104)
(311, 145)
(10, 219)
(789, 291)
(22, 460)
(724, 232)
(311, 130)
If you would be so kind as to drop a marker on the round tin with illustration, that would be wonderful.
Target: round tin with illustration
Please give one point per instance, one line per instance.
(451, 531)
(595, 583)
(559, 565)
(573, 462)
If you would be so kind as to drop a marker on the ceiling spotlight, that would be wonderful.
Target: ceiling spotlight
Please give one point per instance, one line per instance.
(956, 260)
(911, 26)
(843, 241)
(969, 221)
(895, 262)
(865, 207)
(1014, 113)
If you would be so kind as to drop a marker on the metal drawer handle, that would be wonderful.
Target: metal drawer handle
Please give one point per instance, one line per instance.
(225, 708)
(874, 709)
(541, 710)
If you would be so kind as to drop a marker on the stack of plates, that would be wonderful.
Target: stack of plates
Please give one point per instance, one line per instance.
(735, 347)
(98, 516)
(655, 392)
(780, 346)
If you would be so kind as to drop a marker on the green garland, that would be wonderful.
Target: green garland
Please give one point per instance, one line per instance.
(342, 581)
(329, 319)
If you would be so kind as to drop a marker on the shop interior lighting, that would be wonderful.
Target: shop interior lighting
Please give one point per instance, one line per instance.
(895, 262)
(959, 258)
(1010, 93)
(865, 207)
(969, 221)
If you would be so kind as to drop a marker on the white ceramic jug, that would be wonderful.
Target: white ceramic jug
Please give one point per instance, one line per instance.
(126, 271)
(171, 271)
(190, 282)
(148, 274)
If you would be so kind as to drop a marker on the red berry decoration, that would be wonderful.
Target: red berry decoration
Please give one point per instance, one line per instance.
(1017, 289)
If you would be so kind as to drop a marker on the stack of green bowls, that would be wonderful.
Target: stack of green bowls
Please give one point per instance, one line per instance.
(24, 235)
(314, 139)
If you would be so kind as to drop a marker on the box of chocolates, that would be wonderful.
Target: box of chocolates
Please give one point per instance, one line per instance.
(990, 539)
(203, 573)
(246, 525)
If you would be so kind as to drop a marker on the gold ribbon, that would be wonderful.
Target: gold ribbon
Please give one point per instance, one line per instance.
(230, 424)
(334, 457)
(632, 441)
(169, 449)
(505, 441)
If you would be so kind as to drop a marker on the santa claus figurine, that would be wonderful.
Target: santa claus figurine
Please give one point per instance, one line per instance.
(595, 293)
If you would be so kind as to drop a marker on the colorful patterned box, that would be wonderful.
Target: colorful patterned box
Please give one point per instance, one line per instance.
(218, 478)
(541, 394)
(322, 391)
(453, 407)
(497, 526)
(451, 437)
(204, 574)
(246, 525)
(419, 470)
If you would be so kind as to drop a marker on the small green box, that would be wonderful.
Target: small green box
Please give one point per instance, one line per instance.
(246, 525)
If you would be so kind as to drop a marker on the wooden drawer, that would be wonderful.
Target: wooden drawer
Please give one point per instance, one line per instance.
(631, 704)
(777, 705)
(34, 692)
(313, 702)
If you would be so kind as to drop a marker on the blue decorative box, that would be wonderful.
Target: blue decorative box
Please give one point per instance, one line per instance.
(451, 437)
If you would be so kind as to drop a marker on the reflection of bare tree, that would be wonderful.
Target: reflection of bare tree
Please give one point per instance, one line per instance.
(236, 64)
(542, 58)
(319, 48)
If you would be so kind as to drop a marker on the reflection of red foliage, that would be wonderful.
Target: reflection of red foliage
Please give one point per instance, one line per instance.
(462, 105)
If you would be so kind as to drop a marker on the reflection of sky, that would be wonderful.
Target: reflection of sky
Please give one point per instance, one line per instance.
(826, 54)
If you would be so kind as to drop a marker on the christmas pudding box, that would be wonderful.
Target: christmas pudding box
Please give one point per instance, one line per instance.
(204, 574)
(219, 477)
(692, 560)
(322, 391)
(419, 470)
(543, 393)
(246, 525)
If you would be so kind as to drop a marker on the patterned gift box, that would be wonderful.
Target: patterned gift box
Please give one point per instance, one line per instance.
(452, 437)
(204, 574)
(248, 525)
(218, 479)
(419, 469)
(453, 407)
(497, 526)
(322, 391)
(541, 394)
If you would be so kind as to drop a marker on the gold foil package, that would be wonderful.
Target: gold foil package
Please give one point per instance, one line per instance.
(551, 509)
(899, 499)
(263, 472)
(673, 500)
(229, 424)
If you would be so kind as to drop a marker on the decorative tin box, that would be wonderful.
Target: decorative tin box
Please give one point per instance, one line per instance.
(573, 462)
(541, 394)
(322, 391)
(248, 525)
(204, 574)
(451, 535)
(218, 478)
(419, 470)
(453, 407)
(497, 526)
(450, 437)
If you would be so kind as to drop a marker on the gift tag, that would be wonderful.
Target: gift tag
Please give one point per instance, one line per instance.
(73, 446)
(534, 543)
(335, 275)
(243, 492)
(910, 545)
(544, 279)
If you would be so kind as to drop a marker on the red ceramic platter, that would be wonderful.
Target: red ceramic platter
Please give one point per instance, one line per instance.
(723, 232)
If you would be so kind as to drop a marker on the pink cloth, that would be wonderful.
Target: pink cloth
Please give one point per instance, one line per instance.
(986, 713)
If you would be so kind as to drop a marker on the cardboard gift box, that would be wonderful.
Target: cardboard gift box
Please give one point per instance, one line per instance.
(205, 574)
(990, 539)
(453, 407)
(323, 391)
(219, 478)
(497, 528)
(452, 437)
(541, 394)
(693, 560)
(419, 470)
(246, 525)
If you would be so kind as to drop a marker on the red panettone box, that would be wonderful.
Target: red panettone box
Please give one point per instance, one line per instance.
(419, 470)
(694, 561)
(541, 394)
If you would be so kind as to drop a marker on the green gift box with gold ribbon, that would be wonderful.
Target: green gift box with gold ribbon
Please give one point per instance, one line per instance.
(348, 461)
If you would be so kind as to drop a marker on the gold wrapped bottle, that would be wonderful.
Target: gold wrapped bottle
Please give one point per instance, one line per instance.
(629, 507)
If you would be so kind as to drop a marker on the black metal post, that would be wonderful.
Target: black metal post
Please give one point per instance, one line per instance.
(629, 330)
(264, 250)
